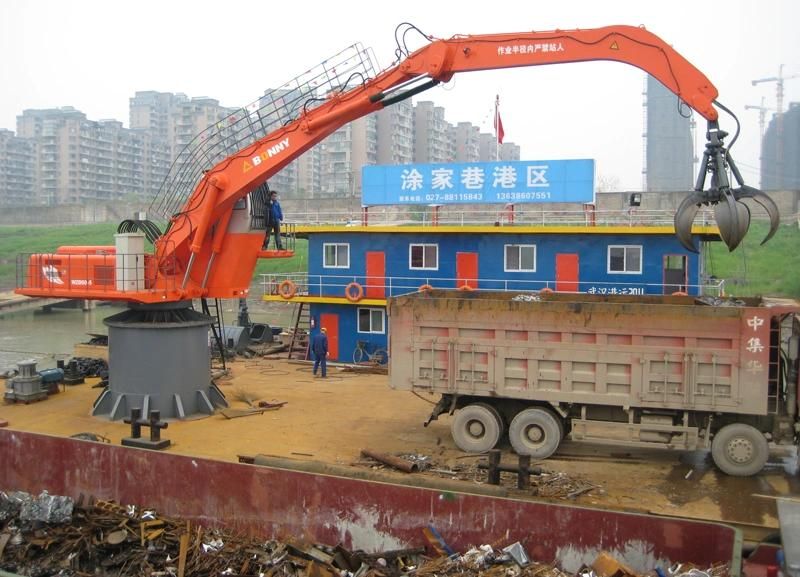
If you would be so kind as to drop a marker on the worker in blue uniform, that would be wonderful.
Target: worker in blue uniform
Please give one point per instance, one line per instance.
(319, 348)
(273, 217)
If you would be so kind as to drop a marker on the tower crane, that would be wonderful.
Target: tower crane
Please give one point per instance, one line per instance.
(762, 116)
(779, 88)
(779, 79)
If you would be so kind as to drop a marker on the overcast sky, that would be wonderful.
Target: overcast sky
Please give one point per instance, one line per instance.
(95, 54)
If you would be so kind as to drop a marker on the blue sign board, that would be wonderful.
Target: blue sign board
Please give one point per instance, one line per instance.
(514, 182)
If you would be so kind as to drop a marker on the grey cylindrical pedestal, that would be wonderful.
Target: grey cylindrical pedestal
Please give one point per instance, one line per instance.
(159, 360)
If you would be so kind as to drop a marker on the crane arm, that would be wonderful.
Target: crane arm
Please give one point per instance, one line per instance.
(436, 62)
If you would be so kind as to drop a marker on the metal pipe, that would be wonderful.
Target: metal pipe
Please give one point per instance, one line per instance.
(396, 462)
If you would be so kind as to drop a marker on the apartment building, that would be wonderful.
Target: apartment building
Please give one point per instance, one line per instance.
(343, 154)
(669, 146)
(489, 151)
(780, 151)
(80, 160)
(432, 141)
(151, 111)
(17, 169)
(466, 139)
(396, 134)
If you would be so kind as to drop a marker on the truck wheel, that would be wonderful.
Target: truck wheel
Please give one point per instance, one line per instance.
(535, 432)
(740, 450)
(477, 428)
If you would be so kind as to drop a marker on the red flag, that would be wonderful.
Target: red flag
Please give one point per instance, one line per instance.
(498, 123)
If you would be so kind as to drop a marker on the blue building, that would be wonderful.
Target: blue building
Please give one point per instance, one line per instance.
(352, 270)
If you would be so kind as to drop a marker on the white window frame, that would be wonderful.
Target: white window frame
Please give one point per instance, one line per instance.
(336, 244)
(371, 310)
(625, 247)
(423, 245)
(519, 246)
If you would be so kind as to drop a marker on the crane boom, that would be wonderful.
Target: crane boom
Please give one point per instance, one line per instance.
(202, 254)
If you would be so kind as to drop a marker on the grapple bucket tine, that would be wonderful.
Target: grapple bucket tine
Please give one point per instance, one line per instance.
(767, 203)
(684, 217)
(733, 220)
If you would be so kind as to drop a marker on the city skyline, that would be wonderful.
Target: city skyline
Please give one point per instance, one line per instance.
(60, 156)
(582, 110)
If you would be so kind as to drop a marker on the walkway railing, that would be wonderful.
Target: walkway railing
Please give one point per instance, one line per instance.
(492, 216)
(310, 285)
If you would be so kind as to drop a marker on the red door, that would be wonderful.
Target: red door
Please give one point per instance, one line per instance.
(330, 321)
(467, 269)
(567, 272)
(376, 275)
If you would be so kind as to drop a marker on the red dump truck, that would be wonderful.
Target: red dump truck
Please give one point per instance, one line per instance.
(675, 371)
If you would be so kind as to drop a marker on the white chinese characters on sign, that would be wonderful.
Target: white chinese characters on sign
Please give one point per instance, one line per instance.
(472, 177)
(593, 290)
(530, 48)
(504, 176)
(754, 345)
(442, 178)
(537, 175)
(754, 367)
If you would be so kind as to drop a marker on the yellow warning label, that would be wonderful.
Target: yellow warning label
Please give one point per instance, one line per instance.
(614, 45)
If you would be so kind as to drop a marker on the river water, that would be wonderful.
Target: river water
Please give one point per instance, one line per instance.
(47, 336)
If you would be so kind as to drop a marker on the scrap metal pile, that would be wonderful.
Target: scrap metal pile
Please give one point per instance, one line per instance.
(541, 483)
(50, 535)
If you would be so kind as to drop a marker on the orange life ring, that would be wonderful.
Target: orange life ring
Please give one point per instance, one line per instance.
(546, 290)
(425, 288)
(679, 294)
(354, 297)
(287, 289)
(465, 287)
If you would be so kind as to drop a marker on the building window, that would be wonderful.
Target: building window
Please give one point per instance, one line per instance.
(335, 255)
(625, 259)
(423, 256)
(371, 321)
(520, 258)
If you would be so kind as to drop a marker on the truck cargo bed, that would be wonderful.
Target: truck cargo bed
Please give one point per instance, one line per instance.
(672, 352)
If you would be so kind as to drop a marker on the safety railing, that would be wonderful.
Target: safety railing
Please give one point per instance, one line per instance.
(97, 273)
(251, 123)
(302, 284)
(455, 216)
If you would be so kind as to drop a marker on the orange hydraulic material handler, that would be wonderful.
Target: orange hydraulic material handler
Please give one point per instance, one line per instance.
(208, 251)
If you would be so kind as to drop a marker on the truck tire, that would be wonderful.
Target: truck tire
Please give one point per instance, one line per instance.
(739, 450)
(535, 432)
(477, 428)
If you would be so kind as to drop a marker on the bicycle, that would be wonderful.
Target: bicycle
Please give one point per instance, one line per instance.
(362, 354)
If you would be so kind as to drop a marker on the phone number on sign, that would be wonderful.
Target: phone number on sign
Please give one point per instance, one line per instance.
(540, 195)
(469, 196)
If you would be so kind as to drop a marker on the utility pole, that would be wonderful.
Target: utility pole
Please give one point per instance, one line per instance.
(778, 118)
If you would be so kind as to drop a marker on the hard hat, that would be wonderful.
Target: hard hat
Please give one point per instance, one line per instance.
(324, 330)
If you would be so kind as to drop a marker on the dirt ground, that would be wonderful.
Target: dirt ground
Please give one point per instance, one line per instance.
(332, 420)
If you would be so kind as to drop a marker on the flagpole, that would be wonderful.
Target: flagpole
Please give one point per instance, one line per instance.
(497, 128)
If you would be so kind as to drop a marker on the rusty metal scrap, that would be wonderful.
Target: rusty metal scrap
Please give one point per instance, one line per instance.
(541, 482)
(395, 462)
(104, 537)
